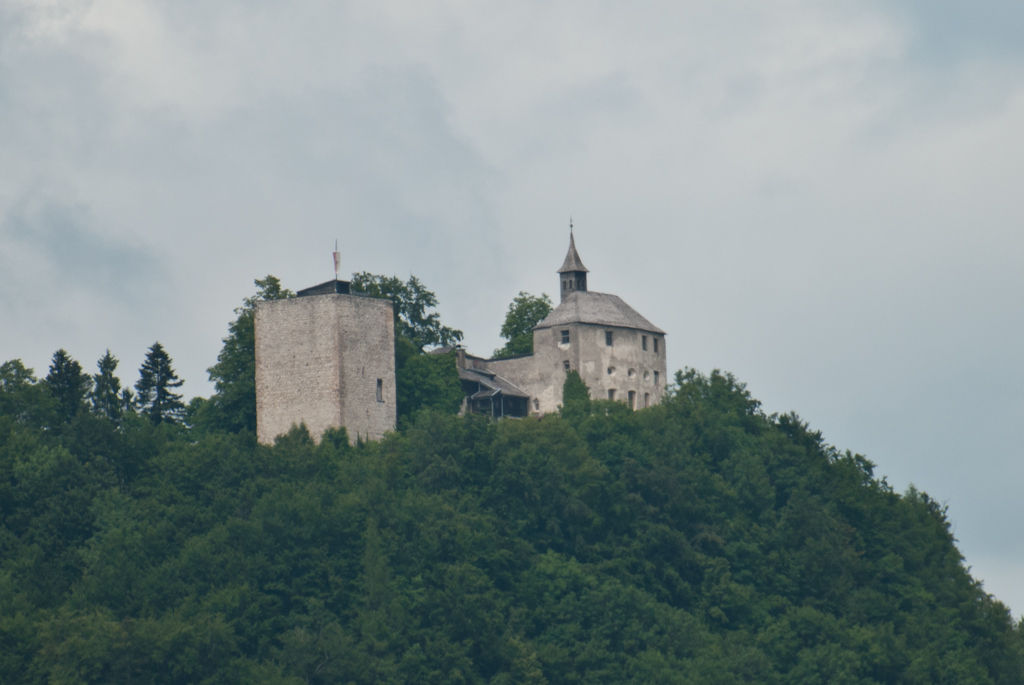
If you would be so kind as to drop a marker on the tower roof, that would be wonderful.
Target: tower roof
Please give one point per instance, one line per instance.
(572, 259)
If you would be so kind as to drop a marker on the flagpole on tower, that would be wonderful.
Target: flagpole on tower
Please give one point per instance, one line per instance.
(337, 259)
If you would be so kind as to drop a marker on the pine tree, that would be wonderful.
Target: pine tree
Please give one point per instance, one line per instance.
(157, 380)
(68, 384)
(105, 397)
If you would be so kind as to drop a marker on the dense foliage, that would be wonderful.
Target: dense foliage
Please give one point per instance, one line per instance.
(232, 407)
(524, 312)
(699, 541)
(412, 300)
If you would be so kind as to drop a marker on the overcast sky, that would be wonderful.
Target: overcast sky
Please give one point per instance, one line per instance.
(823, 198)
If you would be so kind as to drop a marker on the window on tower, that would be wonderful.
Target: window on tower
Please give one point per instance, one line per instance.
(565, 337)
(643, 342)
(608, 338)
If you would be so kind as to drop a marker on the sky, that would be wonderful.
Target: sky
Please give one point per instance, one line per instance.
(822, 198)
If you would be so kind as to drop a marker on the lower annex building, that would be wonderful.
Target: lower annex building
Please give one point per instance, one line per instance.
(326, 358)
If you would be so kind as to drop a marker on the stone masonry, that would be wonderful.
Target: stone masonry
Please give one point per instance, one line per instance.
(618, 353)
(326, 360)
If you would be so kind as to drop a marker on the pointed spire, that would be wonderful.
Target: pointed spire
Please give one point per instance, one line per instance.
(572, 258)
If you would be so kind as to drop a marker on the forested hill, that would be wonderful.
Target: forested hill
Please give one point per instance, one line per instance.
(699, 541)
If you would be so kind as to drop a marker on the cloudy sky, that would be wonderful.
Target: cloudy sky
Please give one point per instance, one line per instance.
(823, 198)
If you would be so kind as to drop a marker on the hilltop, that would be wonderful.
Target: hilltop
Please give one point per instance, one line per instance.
(697, 541)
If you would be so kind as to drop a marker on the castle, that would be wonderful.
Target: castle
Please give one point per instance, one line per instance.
(326, 358)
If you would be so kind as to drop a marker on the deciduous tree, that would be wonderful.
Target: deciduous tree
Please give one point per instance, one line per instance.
(412, 302)
(524, 312)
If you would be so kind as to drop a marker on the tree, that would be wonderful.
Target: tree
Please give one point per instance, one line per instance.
(157, 380)
(575, 396)
(429, 381)
(232, 407)
(525, 312)
(22, 396)
(68, 384)
(106, 395)
(411, 300)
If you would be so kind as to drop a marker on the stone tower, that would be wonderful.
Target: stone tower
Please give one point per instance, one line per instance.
(325, 358)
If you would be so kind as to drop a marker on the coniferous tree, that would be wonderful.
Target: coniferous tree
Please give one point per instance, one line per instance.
(105, 397)
(574, 389)
(68, 384)
(155, 388)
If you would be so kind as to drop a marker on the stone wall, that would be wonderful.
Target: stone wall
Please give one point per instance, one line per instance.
(318, 362)
(542, 374)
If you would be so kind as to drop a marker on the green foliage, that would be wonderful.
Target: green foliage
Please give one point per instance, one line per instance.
(68, 384)
(232, 407)
(574, 389)
(107, 398)
(576, 402)
(525, 312)
(428, 381)
(411, 300)
(699, 541)
(22, 398)
(155, 388)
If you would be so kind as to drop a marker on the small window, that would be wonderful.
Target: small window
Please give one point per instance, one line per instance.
(608, 338)
(643, 342)
(565, 337)
(631, 373)
(647, 399)
(380, 390)
(632, 399)
(656, 377)
(611, 370)
(536, 405)
(647, 375)
(611, 394)
(655, 346)
(565, 365)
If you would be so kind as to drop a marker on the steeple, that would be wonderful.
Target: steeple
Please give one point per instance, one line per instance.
(572, 275)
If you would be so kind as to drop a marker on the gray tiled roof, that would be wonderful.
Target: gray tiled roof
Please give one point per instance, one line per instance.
(597, 308)
(572, 259)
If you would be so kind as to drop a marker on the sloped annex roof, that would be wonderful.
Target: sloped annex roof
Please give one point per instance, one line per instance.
(597, 308)
(491, 384)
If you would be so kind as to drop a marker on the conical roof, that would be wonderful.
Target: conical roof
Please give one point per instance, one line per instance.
(572, 259)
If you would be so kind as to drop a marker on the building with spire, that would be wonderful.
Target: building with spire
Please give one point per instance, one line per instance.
(618, 353)
(326, 358)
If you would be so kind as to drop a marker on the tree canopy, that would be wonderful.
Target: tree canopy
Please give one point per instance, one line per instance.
(524, 312)
(698, 541)
(412, 301)
(232, 407)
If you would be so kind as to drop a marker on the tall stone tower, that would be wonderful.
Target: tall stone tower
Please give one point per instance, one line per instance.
(325, 358)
